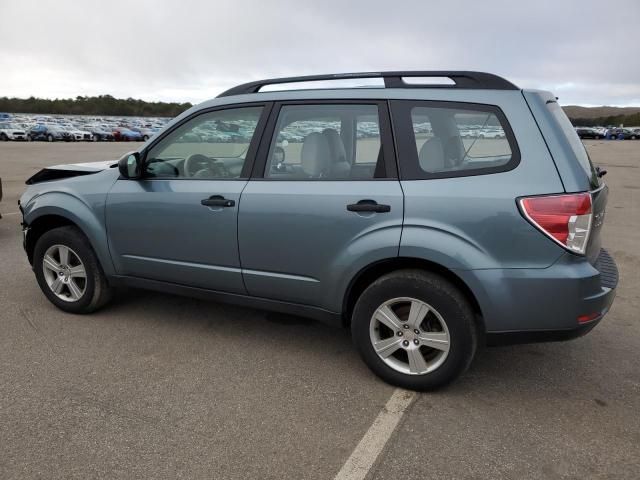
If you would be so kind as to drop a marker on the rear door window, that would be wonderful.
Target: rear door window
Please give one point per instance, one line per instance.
(450, 139)
(327, 142)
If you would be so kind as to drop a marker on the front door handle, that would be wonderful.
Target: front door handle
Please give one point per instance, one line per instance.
(368, 206)
(217, 201)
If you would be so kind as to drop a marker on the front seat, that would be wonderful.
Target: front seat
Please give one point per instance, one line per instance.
(339, 167)
(315, 155)
(431, 156)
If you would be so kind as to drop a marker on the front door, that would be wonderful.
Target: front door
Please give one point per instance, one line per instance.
(179, 223)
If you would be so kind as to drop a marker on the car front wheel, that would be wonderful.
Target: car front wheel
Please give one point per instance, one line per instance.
(414, 329)
(68, 271)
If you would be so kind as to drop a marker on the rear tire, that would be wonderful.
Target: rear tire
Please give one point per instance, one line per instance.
(91, 291)
(4, 137)
(448, 317)
(49, 138)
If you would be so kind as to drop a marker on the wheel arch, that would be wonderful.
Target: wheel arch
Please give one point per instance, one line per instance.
(48, 215)
(375, 270)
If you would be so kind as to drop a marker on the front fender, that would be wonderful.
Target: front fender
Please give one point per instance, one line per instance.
(87, 215)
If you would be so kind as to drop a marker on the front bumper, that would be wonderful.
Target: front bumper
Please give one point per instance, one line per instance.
(563, 301)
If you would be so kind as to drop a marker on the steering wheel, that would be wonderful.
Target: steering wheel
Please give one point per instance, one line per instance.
(196, 163)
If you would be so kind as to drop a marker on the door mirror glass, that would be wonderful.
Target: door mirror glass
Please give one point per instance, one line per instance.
(130, 166)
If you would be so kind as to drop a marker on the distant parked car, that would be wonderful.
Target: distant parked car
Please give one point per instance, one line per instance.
(586, 132)
(491, 134)
(625, 134)
(100, 134)
(146, 133)
(11, 131)
(78, 135)
(49, 133)
(121, 134)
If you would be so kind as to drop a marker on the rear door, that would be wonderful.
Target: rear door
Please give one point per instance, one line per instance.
(323, 202)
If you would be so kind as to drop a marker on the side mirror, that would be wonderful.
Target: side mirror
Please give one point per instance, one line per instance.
(130, 166)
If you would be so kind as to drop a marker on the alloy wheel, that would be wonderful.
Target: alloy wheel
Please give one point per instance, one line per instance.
(64, 273)
(409, 336)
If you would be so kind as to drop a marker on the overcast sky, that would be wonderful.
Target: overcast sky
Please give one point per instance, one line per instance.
(587, 52)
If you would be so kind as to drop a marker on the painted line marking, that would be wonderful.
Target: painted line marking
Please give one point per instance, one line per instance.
(372, 443)
(10, 213)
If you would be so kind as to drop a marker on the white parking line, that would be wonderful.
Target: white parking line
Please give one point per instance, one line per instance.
(10, 213)
(366, 452)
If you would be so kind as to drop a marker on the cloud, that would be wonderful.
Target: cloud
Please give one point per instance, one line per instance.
(193, 49)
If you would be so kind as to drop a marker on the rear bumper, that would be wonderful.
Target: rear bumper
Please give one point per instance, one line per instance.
(561, 302)
(495, 339)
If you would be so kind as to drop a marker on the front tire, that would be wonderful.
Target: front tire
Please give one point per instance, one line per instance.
(414, 329)
(68, 271)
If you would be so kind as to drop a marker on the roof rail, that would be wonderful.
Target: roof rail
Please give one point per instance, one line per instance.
(461, 79)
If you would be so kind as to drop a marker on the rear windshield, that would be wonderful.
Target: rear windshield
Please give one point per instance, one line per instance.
(574, 141)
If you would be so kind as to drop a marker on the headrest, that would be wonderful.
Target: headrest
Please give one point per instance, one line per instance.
(315, 154)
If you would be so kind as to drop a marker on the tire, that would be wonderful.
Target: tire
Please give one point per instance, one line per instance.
(95, 138)
(95, 289)
(633, 137)
(4, 137)
(145, 138)
(49, 138)
(449, 315)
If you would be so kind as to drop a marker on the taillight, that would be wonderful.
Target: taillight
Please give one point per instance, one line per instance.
(566, 219)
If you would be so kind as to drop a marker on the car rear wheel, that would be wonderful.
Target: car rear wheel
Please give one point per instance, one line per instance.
(414, 329)
(145, 138)
(49, 138)
(68, 271)
(95, 138)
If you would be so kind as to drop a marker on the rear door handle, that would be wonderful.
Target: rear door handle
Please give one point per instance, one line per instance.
(368, 206)
(217, 201)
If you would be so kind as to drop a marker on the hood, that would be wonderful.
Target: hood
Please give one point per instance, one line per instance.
(58, 172)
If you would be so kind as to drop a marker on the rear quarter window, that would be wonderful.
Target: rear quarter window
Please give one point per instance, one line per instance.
(451, 139)
(574, 141)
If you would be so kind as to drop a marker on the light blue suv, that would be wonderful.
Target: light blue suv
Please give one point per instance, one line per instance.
(428, 217)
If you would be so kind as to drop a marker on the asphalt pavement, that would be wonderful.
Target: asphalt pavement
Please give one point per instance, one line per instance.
(158, 386)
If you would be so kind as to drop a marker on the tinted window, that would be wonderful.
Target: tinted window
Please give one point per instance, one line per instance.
(445, 139)
(326, 142)
(213, 145)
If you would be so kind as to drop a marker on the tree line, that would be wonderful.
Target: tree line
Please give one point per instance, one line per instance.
(100, 105)
(108, 105)
(631, 120)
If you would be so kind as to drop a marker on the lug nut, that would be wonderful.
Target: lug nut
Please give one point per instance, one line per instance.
(400, 333)
(415, 340)
(405, 326)
(405, 343)
(416, 331)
